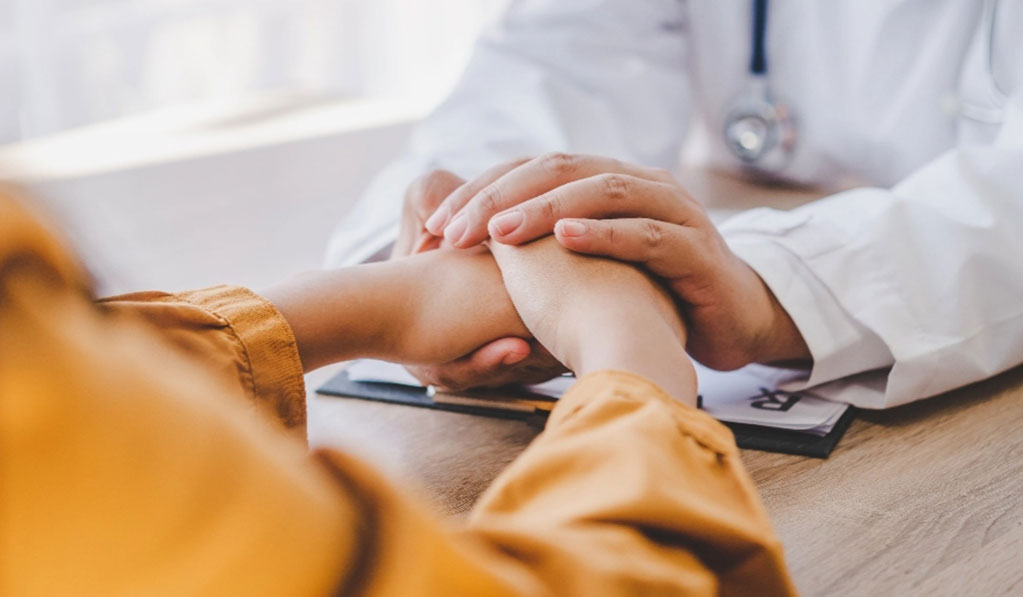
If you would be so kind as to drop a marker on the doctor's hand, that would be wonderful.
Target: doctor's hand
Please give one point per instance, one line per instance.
(422, 198)
(500, 362)
(600, 206)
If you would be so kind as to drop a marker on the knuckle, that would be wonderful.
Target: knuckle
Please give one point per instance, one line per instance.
(613, 235)
(616, 186)
(551, 206)
(489, 199)
(653, 234)
(558, 164)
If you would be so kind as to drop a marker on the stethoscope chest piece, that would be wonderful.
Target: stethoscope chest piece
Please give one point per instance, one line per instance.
(759, 129)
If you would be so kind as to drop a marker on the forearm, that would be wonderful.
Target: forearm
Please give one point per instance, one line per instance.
(427, 308)
(342, 314)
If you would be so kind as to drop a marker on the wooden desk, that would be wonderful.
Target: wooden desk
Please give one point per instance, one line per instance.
(924, 499)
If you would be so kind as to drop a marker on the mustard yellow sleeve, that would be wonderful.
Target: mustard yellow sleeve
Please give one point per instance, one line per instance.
(626, 493)
(235, 335)
(629, 492)
(126, 468)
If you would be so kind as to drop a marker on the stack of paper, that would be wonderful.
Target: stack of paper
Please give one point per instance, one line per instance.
(753, 395)
(750, 395)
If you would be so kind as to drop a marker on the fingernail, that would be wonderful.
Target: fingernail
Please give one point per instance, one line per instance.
(571, 228)
(506, 223)
(435, 223)
(456, 229)
(514, 357)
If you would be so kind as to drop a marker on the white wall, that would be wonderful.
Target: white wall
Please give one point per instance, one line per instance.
(229, 137)
(66, 63)
(251, 212)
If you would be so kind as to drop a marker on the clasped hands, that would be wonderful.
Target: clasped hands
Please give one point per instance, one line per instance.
(431, 308)
(632, 256)
(601, 207)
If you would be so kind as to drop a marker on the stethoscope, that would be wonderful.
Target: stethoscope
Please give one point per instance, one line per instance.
(759, 129)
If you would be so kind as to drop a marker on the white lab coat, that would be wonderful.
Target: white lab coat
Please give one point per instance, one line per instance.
(919, 276)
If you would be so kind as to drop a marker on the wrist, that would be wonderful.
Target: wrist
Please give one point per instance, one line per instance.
(640, 343)
(781, 341)
(338, 315)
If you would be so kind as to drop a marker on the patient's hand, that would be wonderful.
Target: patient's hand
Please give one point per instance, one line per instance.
(594, 314)
(421, 199)
(505, 360)
(454, 302)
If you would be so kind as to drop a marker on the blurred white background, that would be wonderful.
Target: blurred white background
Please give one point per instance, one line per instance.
(185, 143)
(65, 63)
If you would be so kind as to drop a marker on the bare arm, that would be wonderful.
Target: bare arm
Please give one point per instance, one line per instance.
(427, 308)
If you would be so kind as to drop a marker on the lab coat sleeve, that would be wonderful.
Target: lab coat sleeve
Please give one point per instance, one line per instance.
(925, 278)
(603, 77)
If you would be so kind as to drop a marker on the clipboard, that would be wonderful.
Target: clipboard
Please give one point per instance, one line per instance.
(750, 437)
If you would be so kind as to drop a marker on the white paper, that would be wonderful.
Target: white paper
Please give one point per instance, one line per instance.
(752, 395)
(749, 395)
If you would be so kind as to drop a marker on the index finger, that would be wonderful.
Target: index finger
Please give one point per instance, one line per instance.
(602, 196)
(454, 201)
(529, 180)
